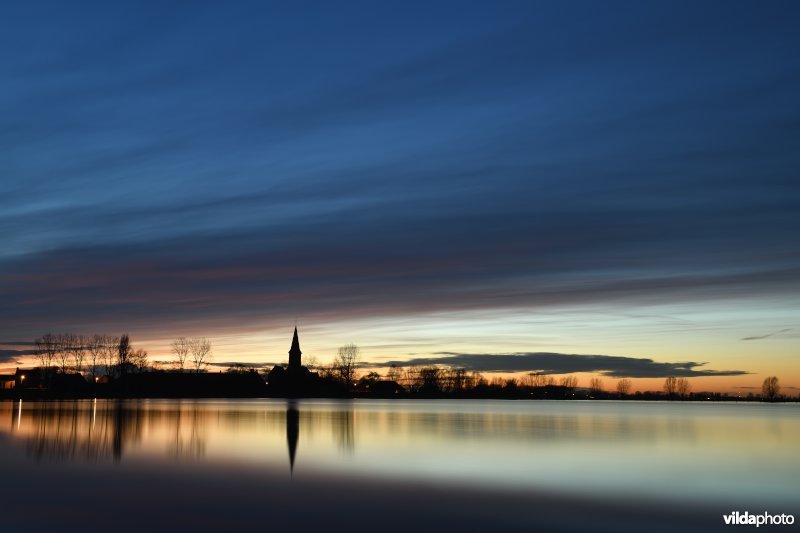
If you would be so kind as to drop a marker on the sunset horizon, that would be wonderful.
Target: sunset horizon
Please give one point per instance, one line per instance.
(385, 266)
(647, 372)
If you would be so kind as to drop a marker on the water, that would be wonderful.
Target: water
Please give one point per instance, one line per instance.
(393, 465)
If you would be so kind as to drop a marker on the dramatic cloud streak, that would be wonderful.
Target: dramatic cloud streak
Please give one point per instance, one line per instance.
(12, 356)
(759, 337)
(559, 363)
(220, 166)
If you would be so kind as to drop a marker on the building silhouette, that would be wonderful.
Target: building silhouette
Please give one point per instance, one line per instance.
(295, 380)
(295, 364)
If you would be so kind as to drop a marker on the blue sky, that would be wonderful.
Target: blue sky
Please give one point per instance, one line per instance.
(230, 168)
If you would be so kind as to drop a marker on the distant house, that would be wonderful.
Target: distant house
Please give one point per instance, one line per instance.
(378, 388)
(29, 378)
(69, 384)
(35, 378)
(385, 389)
(23, 378)
(8, 381)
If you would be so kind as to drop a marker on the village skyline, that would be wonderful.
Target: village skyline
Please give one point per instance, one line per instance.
(470, 182)
(96, 355)
(479, 266)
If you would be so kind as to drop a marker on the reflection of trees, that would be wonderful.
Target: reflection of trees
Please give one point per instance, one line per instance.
(67, 430)
(342, 422)
(108, 429)
(492, 426)
(92, 430)
(188, 442)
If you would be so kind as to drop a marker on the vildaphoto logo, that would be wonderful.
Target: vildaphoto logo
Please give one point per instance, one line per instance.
(764, 519)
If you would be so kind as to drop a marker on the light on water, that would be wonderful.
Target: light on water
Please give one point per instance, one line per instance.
(679, 456)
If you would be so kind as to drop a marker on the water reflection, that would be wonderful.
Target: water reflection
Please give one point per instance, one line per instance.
(342, 423)
(95, 429)
(73, 430)
(587, 447)
(292, 432)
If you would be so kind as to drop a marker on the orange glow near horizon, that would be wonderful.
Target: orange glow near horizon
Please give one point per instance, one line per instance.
(715, 337)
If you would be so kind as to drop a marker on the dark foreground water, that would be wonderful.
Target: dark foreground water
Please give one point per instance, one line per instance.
(319, 465)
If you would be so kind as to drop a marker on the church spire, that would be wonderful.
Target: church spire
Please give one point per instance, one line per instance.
(294, 352)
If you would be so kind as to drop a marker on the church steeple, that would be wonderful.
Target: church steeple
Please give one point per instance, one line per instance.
(295, 353)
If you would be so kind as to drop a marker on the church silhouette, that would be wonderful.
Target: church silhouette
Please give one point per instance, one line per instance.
(296, 380)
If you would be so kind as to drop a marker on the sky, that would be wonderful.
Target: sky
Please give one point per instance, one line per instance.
(601, 189)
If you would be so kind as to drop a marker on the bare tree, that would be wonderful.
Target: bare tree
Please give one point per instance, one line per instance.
(624, 386)
(137, 360)
(181, 348)
(95, 346)
(596, 385)
(671, 385)
(123, 354)
(200, 353)
(46, 349)
(770, 388)
(345, 363)
(478, 380)
(109, 355)
(535, 379)
(394, 374)
(683, 387)
(570, 382)
(411, 378)
(64, 343)
(78, 348)
(430, 379)
(458, 379)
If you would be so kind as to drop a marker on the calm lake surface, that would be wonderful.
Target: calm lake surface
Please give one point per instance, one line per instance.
(394, 465)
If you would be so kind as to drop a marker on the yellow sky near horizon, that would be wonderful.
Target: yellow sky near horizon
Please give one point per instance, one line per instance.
(759, 340)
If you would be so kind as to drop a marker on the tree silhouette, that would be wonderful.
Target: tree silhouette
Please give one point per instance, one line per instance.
(109, 355)
(45, 349)
(346, 362)
(457, 380)
(535, 379)
(123, 354)
(181, 348)
(683, 387)
(394, 374)
(596, 385)
(200, 353)
(569, 382)
(137, 361)
(770, 388)
(671, 385)
(95, 345)
(78, 348)
(430, 380)
(624, 386)
(64, 344)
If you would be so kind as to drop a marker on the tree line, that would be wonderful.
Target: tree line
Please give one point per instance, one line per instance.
(108, 355)
(115, 357)
(69, 352)
(434, 380)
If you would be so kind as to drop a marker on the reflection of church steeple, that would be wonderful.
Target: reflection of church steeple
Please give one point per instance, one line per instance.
(295, 353)
(292, 429)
